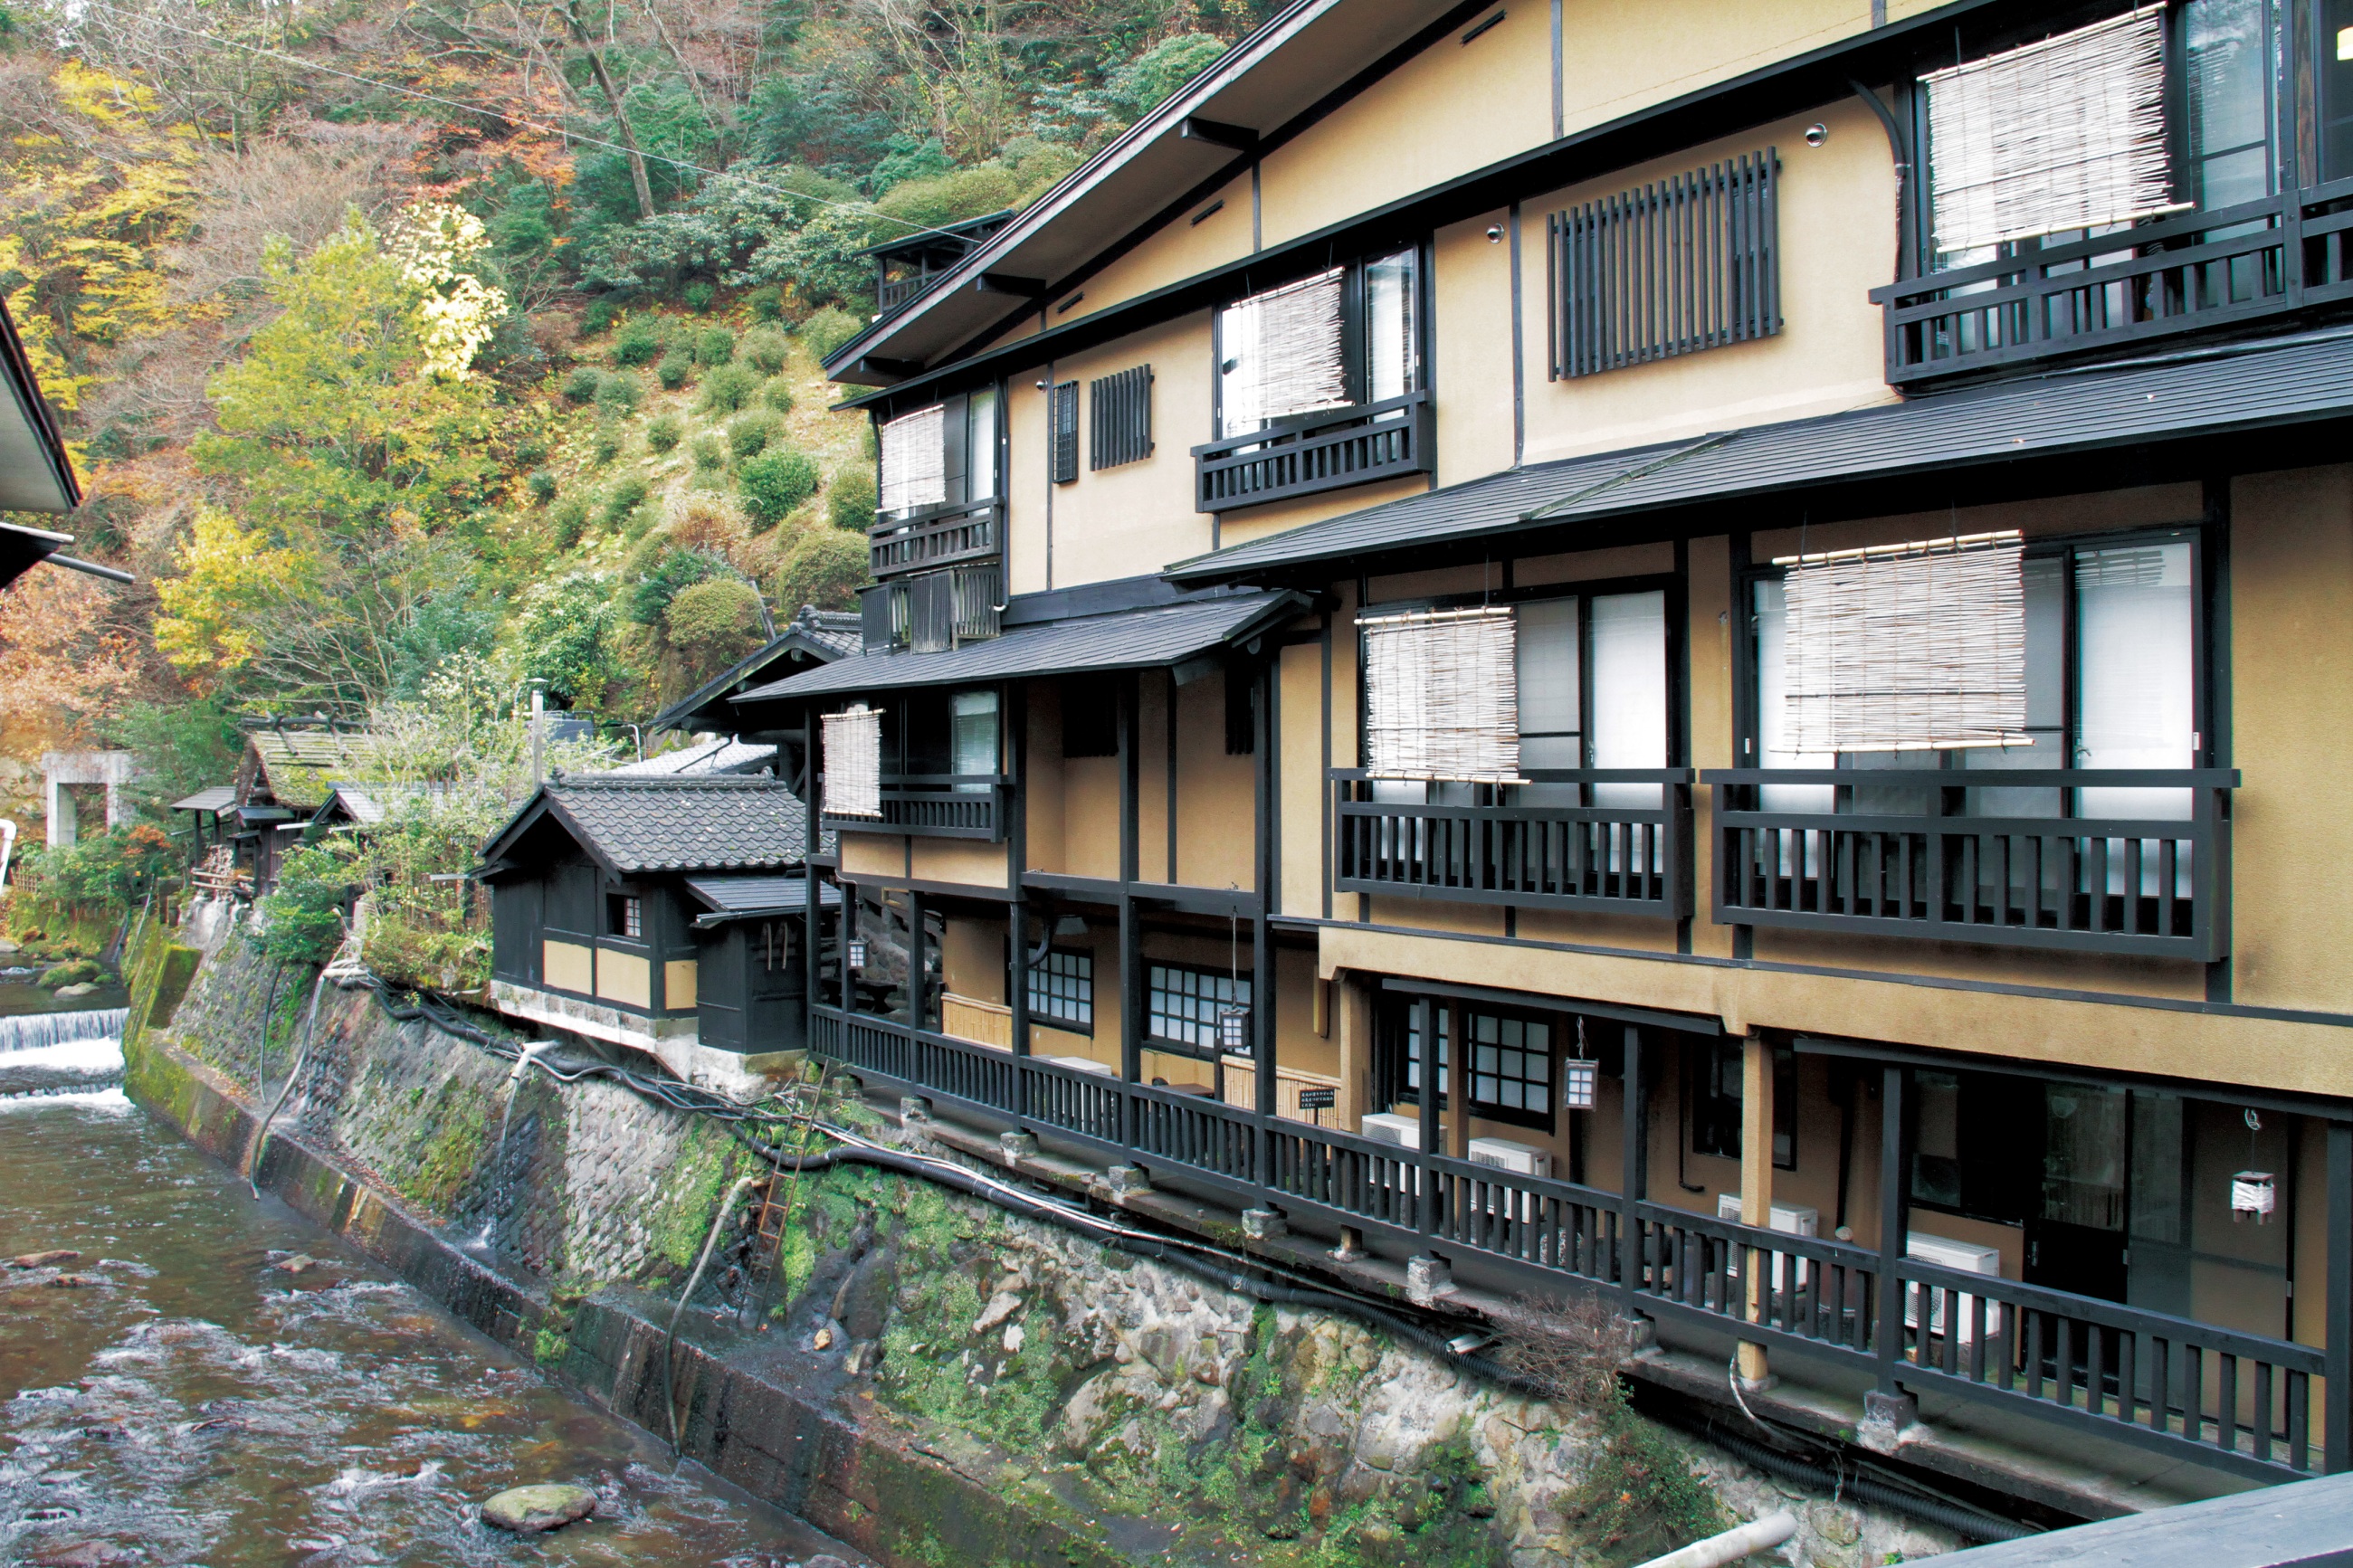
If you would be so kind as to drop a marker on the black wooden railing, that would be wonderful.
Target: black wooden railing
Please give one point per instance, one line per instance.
(932, 612)
(2056, 298)
(1314, 452)
(1505, 848)
(934, 805)
(2242, 1402)
(2155, 886)
(936, 536)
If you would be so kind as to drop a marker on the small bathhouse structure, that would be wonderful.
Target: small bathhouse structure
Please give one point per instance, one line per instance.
(666, 915)
(290, 772)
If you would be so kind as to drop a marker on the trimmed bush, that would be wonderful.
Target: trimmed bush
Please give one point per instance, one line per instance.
(714, 345)
(606, 447)
(752, 432)
(778, 394)
(531, 451)
(619, 393)
(713, 624)
(852, 499)
(598, 316)
(665, 433)
(765, 351)
(625, 497)
(638, 342)
(698, 296)
(673, 370)
(729, 388)
(543, 486)
(825, 568)
(581, 385)
(571, 519)
(775, 484)
(826, 331)
(710, 452)
(767, 304)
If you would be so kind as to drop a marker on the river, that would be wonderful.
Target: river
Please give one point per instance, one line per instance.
(190, 1402)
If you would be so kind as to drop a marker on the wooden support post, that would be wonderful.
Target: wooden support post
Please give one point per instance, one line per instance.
(1893, 1186)
(2337, 1443)
(1263, 992)
(1015, 707)
(1756, 1193)
(1132, 1010)
(812, 902)
(918, 998)
(1433, 1083)
(1634, 1168)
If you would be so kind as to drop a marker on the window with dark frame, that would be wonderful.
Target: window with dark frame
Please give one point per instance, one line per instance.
(1509, 1056)
(1062, 990)
(1714, 1089)
(1119, 410)
(1350, 336)
(625, 915)
(1184, 1006)
(1066, 433)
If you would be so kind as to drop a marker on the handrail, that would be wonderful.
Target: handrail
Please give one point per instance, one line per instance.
(1308, 453)
(1983, 778)
(1298, 425)
(1537, 776)
(2115, 1314)
(2121, 242)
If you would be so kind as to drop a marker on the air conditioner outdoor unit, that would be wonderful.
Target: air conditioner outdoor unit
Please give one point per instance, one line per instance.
(1388, 1127)
(1962, 1256)
(1789, 1220)
(1504, 1154)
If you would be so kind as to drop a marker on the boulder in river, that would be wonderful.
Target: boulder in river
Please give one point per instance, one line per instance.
(85, 1554)
(44, 1259)
(527, 1510)
(79, 988)
(79, 1281)
(301, 1263)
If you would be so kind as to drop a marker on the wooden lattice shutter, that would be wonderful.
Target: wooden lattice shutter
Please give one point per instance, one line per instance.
(853, 764)
(1066, 433)
(2067, 133)
(1441, 695)
(915, 460)
(1119, 412)
(1907, 648)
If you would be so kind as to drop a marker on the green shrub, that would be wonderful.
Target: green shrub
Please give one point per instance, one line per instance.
(767, 304)
(752, 432)
(674, 369)
(712, 624)
(638, 342)
(570, 520)
(626, 496)
(665, 433)
(580, 386)
(543, 486)
(826, 331)
(775, 484)
(73, 972)
(714, 345)
(619, 393)
(852, 499)
(729, 388)
(303, 921)
(531, 451)
(710, 452)
(765, 350)
(606, 447)
(598, 316)
(778, 394)
(825, 568)
(698, 296)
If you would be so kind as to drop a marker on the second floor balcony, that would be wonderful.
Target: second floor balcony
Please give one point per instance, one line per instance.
(934, 805)
(1328, 450)
(946, 535)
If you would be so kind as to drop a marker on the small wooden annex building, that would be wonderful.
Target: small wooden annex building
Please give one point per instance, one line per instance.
(661, 914)
(289, 775)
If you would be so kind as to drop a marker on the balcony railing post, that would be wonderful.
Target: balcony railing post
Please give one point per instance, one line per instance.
(1633, 1172)
(2337, 1427)
(1887, 1335)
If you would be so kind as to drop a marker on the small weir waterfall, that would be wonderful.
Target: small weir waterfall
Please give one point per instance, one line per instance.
(61, 1053)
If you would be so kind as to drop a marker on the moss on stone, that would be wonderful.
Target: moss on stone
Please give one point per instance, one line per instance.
(451, 1148)
(682, 1217)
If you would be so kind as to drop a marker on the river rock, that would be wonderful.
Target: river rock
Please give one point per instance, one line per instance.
(79, 988)
(527, 1510)
(85, 1554)
(301, 1263)
(44, 1259)
(825, 1560)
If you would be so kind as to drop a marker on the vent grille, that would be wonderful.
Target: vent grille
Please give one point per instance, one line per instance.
(1120, 408)
(1066, 432)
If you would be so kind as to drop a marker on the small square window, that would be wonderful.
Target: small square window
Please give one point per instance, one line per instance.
(625, 915)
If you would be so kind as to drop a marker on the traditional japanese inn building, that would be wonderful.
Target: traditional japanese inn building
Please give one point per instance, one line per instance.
(1681, 651)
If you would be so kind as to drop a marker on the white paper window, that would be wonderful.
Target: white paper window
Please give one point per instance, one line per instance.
(1630, 692)
(972, 715)
(1441, 695)
(915, 460)
(2134, 702)
(853, 764)
(2067, 133)
(1282, 353)
(1904, 647)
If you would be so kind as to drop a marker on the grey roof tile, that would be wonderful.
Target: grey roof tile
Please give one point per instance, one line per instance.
(683, 824)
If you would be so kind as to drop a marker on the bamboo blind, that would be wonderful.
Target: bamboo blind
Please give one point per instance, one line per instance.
(1441, 695)
(1283, 354)
(1916, 647)
(853, 764)
(2067, 133)
(914, 460)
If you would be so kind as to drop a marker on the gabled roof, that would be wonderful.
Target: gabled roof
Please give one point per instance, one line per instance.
(1127, 639)
(365, 805)
(705, 758)
(220, 798)
(813, 636)
(2186, 397)
(666, 825)
(299, 767)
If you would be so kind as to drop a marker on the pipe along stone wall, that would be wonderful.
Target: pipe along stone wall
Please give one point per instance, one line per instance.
(927, 1376)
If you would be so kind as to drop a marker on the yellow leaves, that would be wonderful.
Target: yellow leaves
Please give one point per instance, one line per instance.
(64, 654)
(227, 575)
(99, 96)
(455, 311)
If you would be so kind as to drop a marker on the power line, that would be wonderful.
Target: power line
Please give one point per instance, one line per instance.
(912, 228)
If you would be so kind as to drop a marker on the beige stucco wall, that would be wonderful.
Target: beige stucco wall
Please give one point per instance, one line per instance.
(568, 966)
(624, 977)
(1620, 58)
(971, 860)
(679, 976)
(1175, 253)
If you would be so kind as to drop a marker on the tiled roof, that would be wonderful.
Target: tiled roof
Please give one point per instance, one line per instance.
(680, 825)
(737, 896)
(218, 798)
(301, 766)
(366, 803)
(723, 756)
(1126, 639)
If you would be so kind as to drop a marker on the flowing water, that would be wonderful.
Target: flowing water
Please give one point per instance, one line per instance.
(178, 1399)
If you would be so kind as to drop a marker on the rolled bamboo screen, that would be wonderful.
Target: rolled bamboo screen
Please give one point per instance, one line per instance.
(1441, 695)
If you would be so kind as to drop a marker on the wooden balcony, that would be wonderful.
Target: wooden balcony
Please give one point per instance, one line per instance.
(2155, 886)
(1328, 450)
(936, 536)
(2207, 272)
(1500, 848)
(934, 805)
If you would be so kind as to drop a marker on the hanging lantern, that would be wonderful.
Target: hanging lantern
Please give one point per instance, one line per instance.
(857, 953)
(1578, 1084)
(1233, 1028)
(2253, 1192)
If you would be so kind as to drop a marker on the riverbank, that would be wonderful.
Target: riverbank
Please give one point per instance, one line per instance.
(924, 1375)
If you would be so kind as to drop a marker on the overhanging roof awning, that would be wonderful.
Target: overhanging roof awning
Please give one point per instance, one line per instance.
(749, 897)
(35, 475)
(2186, 397)
(1127, 639)
(218, 798)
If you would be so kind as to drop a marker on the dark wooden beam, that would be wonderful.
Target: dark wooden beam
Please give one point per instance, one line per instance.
(1006, 283)
(1216, 133)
